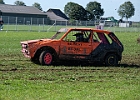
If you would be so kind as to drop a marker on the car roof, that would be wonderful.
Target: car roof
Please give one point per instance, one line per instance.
(88, 29)
(67, 30)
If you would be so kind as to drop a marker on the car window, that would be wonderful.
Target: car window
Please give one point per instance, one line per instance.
(108, 38)
(59, 33)
(70, 36)
(101, 37)
(96, 37)
(74, 35)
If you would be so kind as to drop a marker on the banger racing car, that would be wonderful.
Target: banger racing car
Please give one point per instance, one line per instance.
(77, 44)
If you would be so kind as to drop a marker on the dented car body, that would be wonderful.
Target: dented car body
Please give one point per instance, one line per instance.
(88, 44)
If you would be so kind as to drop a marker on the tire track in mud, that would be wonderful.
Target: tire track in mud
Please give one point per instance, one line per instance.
(86, 74)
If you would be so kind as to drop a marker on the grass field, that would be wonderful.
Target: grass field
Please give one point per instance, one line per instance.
(20, 79)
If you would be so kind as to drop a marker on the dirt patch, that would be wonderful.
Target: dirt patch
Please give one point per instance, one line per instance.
(138, 40)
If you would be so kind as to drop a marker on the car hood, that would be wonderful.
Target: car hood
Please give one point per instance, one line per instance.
(34, 41)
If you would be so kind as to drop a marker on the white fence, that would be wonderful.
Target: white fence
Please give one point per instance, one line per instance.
(44, 24)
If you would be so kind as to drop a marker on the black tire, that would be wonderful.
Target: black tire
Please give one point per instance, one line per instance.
(35, 60)
(111, 60)
(46, 58)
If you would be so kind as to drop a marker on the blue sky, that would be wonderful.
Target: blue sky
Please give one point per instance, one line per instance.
(110, 6)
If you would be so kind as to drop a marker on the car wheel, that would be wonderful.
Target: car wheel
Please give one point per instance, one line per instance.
(111, 60)
(46, 58)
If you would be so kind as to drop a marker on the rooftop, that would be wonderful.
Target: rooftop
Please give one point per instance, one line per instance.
(6, 8)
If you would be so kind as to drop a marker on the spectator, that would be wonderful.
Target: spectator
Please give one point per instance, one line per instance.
(1, 24)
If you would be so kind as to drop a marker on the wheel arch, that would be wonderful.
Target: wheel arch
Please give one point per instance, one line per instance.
(113, 52)
(44, 48)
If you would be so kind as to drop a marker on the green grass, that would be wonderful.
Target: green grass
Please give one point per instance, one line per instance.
(37, 28)
(131, 54)
(20, 79)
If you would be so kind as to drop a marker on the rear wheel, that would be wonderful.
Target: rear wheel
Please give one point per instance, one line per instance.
(111, 60)
(46, 58)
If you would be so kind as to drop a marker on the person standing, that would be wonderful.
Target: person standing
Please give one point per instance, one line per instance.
(1, 24)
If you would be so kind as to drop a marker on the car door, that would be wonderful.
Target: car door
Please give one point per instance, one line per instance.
(72, 49)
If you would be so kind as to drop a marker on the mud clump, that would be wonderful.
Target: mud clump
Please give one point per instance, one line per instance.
(138, 40)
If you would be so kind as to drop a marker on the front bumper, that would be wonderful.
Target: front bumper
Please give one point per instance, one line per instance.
(25, 50)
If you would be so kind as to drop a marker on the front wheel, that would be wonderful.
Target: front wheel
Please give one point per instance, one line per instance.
(111, 60)
(46, 58)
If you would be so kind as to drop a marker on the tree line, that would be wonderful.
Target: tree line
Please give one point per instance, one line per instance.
(92, 11)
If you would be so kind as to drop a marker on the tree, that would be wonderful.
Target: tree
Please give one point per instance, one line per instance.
(2, 2)
(95, 9)
(76, 11)
(67, 8)
(19, 3)
(126, 10)
(89, 15)
(37, 5)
